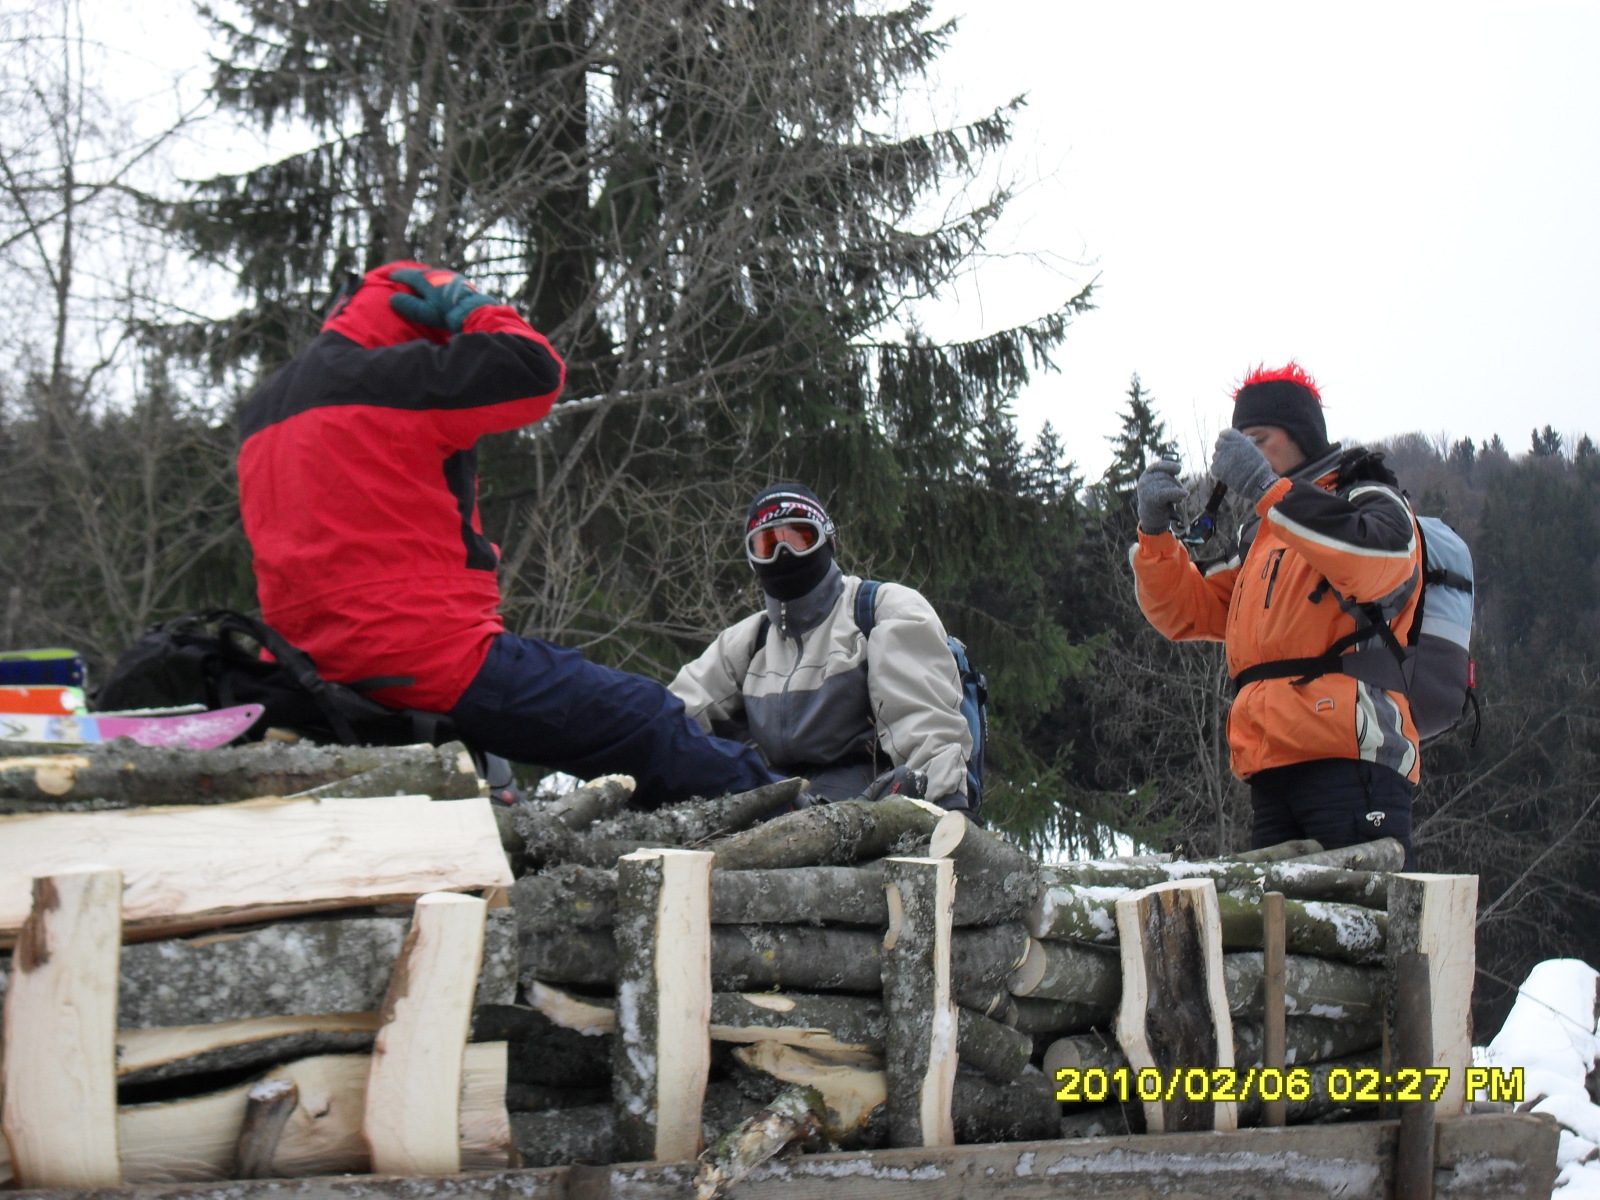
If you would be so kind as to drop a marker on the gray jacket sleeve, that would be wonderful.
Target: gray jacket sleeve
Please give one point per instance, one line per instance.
(712, 686)
(915, 691)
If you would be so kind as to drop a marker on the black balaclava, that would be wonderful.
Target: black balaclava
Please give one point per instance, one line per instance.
(790, 576)
(1286, 399)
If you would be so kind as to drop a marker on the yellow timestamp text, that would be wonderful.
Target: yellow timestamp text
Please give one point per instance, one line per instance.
(1341, 1085)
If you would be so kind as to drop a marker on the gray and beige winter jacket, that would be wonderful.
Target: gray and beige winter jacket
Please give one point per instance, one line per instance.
(821, 699)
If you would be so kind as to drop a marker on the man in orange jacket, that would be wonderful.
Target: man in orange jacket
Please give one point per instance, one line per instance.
(1313, 609)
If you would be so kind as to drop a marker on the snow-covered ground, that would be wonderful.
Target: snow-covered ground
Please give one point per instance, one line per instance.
(1551, 1035)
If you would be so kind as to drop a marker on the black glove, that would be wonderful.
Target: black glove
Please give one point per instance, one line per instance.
(902, 781)
(1158, 494)
(443, 298)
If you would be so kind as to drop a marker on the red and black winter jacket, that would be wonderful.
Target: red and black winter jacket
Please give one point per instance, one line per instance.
(358, 486)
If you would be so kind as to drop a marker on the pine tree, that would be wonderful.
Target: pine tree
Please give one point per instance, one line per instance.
(1142, 440)
(1546, 443)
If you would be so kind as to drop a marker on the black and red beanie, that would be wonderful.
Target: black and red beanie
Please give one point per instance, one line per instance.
(785, 502)
(1286, 398)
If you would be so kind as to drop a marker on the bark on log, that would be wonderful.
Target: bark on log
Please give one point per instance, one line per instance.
(797, 1019)
(594, 801)
(311, 967)
(268, 1106)
(586, 956)
(1174, 1010)
(567, 1135)
(696, 821)
(1385, 854)
(1318, 1103)
(1295, 879)
(413, 1105)
(546, 840)
(995, 881)
(851, 831)
(1282, 852)
(1324, 930)
(797, 1116)
(1436, 915)
(41, 778)
(58, 1085)
(981, 962)
(536, 1097)
(1075, 912)
(1024, 1110)
(1313, 987)
(663, 1046)
(542, 1053)
(1063, 971)
(201, 868)
(920, 1034)
(800, 896)
(1060, 1016)
(1000, 1053)
(565, 896)
(150, 1055)
(753, 958)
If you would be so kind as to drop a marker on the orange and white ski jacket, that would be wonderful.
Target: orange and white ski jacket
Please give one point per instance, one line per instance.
(1362, 539)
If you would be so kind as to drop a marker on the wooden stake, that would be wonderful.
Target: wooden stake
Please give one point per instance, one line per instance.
(1274, 1112)
(60, 1069)
(1174, 1014)
(412, 1118)
(268, 1106)
(920, 1038)
(1413, 1016)
(1436, 915)
(663, 1047)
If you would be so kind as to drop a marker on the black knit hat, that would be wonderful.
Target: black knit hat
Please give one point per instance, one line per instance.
(790, 576)
(1285, 398)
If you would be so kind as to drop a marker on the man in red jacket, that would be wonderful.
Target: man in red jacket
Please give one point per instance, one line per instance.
(358, 486)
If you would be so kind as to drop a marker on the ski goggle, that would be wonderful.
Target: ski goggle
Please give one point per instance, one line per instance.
(800, 535)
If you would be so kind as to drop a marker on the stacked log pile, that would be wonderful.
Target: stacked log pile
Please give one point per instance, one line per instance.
(811, 983)
(648, 980)
(266, 988)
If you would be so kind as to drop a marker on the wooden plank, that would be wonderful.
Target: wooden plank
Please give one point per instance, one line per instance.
(139, 1049)
(921, 1031)
(1505, 1156)
(1273, 1012)
(1413, 1012)
(197, 1139)
(59, 1080)
(413, 1103)
(202, 867)
(1436, 915)
(1174, 1012)
(663, 1045)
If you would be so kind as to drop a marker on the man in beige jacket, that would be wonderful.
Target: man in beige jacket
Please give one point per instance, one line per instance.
(807, 687)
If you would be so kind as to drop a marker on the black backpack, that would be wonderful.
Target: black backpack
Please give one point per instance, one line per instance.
(213, 658)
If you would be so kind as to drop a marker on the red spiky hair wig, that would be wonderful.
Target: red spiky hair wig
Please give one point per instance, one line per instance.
(1286, 398)
(1290, 372)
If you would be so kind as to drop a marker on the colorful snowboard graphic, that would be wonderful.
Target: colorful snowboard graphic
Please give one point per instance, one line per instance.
(33, 667)
(194, 731)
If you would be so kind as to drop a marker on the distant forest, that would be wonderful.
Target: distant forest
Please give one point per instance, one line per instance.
(722, 217)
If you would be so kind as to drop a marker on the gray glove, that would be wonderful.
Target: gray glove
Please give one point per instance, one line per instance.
(1239, 463)
(1158, 494)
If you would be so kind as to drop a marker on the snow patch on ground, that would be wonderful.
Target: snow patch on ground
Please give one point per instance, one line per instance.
(1551, 1034)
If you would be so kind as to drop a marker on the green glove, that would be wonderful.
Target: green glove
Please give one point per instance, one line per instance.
(443, 298)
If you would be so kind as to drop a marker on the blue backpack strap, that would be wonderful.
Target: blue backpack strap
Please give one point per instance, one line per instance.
(866, 605)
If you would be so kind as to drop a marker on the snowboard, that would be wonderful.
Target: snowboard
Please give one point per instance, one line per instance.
(49, 700)
(193, 731)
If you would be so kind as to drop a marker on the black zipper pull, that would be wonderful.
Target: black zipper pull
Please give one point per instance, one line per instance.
(1277, 561)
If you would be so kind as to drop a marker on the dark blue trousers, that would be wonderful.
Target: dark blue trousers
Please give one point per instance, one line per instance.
(1337, 801)
(535, 702)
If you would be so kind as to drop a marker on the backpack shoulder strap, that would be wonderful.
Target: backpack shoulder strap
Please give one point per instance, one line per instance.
(761, 634)
(866, 606)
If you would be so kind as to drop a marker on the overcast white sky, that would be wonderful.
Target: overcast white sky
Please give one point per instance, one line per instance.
(1404, 196)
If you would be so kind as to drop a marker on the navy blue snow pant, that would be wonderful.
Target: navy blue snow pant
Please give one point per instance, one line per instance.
(1337, 801)
(535, 702)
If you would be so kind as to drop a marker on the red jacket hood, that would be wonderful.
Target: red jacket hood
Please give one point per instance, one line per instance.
(366, 318)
